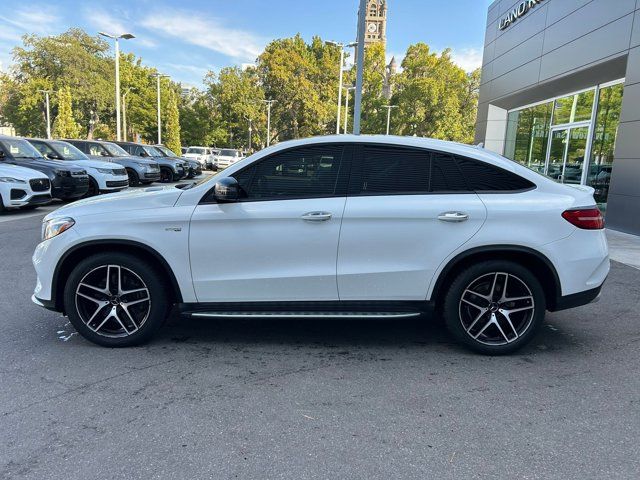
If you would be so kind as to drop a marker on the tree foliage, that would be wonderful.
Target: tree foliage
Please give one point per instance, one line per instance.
(65, 126)
(435, 97)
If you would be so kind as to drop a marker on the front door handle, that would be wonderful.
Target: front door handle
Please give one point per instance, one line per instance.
(316, 216)
(453, 217)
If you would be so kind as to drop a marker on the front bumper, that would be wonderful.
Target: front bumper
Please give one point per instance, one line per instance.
(30, 198)
(70, 187)
(150, 176)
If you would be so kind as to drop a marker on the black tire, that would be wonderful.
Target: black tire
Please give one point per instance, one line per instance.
(508, 325)
(93, 189)
(134, 325)
(166, 175)
(134, 178)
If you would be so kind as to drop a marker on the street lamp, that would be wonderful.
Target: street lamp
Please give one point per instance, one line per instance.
(46, 97)
(269, 103)
(124, 114)
(346, 108)
(158, 76)
(389, 107)
(341, 47)
(362, 23)
(115, 38)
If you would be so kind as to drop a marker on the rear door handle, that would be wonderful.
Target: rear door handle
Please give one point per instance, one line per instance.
(453, 217)
(316, 216)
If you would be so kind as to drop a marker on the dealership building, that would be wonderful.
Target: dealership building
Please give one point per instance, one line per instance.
(560, 93)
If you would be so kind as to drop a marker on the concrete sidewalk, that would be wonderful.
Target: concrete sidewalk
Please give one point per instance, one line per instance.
(624, 248)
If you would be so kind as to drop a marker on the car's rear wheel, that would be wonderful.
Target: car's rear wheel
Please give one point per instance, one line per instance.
(495, 307)
(116, 300)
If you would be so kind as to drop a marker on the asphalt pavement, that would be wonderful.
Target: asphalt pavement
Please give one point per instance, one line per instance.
(322, 399)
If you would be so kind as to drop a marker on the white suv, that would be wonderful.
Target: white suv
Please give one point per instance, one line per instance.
(22, 187)
(227, 157)
(340, 226)
(104, 177)
(202, 155)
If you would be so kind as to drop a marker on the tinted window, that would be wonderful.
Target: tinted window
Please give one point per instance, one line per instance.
(483, 177)
(296, 173)
(445, 174)
(96, 149)
(391, 170)
(43, 148)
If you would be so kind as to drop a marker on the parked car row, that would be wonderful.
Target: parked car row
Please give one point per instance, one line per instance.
(33, 171)
(213, 158)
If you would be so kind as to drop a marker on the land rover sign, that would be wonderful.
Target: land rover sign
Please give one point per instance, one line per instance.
(519, 11)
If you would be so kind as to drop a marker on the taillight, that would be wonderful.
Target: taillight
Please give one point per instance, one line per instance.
(585, 218)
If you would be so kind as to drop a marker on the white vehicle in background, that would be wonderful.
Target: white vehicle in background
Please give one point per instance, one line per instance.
(227, 157)
(22, 187)
(104, 177)
(202, 155)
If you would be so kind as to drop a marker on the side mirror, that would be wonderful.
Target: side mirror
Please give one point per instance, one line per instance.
(226, 190)
(53, 156)
(144, 154)
(104, 153)
(2, 156)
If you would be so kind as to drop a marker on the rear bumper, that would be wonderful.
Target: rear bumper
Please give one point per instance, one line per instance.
(577, 299)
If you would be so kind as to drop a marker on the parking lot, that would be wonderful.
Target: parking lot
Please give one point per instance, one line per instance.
(302, 398)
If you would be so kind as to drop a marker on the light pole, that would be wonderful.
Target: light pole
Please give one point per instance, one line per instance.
(124, 114)
(116, 38)
(158, 76)
(362, 15)
(341, 47)
(46, 98)
(389, 107)
(250, 131)
(346, 107)
(269, 103)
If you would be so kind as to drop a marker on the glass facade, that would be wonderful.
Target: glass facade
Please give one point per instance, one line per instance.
(557, 137)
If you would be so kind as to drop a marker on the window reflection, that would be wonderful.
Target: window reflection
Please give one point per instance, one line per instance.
(574, 108)
(528, 135)
(604, 141)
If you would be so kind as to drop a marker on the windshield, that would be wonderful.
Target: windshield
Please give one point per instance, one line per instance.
(68, 151)
(116, 150)
(229, 153)
(198, 150)
(18, 148)
(166, 151)
(152, 151)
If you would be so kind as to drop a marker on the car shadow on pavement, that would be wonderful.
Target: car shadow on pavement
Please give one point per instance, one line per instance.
(422, 332)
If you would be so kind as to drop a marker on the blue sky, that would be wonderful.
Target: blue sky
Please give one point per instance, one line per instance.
(185, 39)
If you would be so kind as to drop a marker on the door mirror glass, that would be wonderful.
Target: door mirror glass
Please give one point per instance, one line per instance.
(226, 190)
(143, 153)
(2, 154)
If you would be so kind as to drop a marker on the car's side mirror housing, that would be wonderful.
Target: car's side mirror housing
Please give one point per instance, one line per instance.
(53, 156)
(104, 153)
(144, 154)
(226, 190)
(2, 155)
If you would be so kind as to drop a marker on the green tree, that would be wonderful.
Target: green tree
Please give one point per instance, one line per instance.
(302, 79)
(237, 99)
(172, 123)
(436, 98)
(65, 126)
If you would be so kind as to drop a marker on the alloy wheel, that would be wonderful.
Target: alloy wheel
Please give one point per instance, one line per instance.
(496, 308)
(113, 301)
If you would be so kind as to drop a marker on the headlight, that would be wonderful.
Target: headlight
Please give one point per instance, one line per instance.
(106, 171)
(55, 226)
(11, 180)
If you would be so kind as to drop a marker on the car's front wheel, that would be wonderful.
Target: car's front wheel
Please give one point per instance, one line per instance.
(495, 307)
(116, 300)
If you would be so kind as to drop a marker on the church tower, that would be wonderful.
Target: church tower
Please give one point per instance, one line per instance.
(376, 22)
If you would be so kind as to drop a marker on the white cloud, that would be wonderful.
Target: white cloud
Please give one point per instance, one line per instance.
(467, 58)
(206, 32)
(39, 19)
(106, 22)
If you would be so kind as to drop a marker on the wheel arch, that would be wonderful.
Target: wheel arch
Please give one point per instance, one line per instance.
(83, 250)
(535, 261)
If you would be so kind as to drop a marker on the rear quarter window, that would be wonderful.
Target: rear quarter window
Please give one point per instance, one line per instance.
(484, 177)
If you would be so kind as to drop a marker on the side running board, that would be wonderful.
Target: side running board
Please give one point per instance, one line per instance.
(290, 314)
